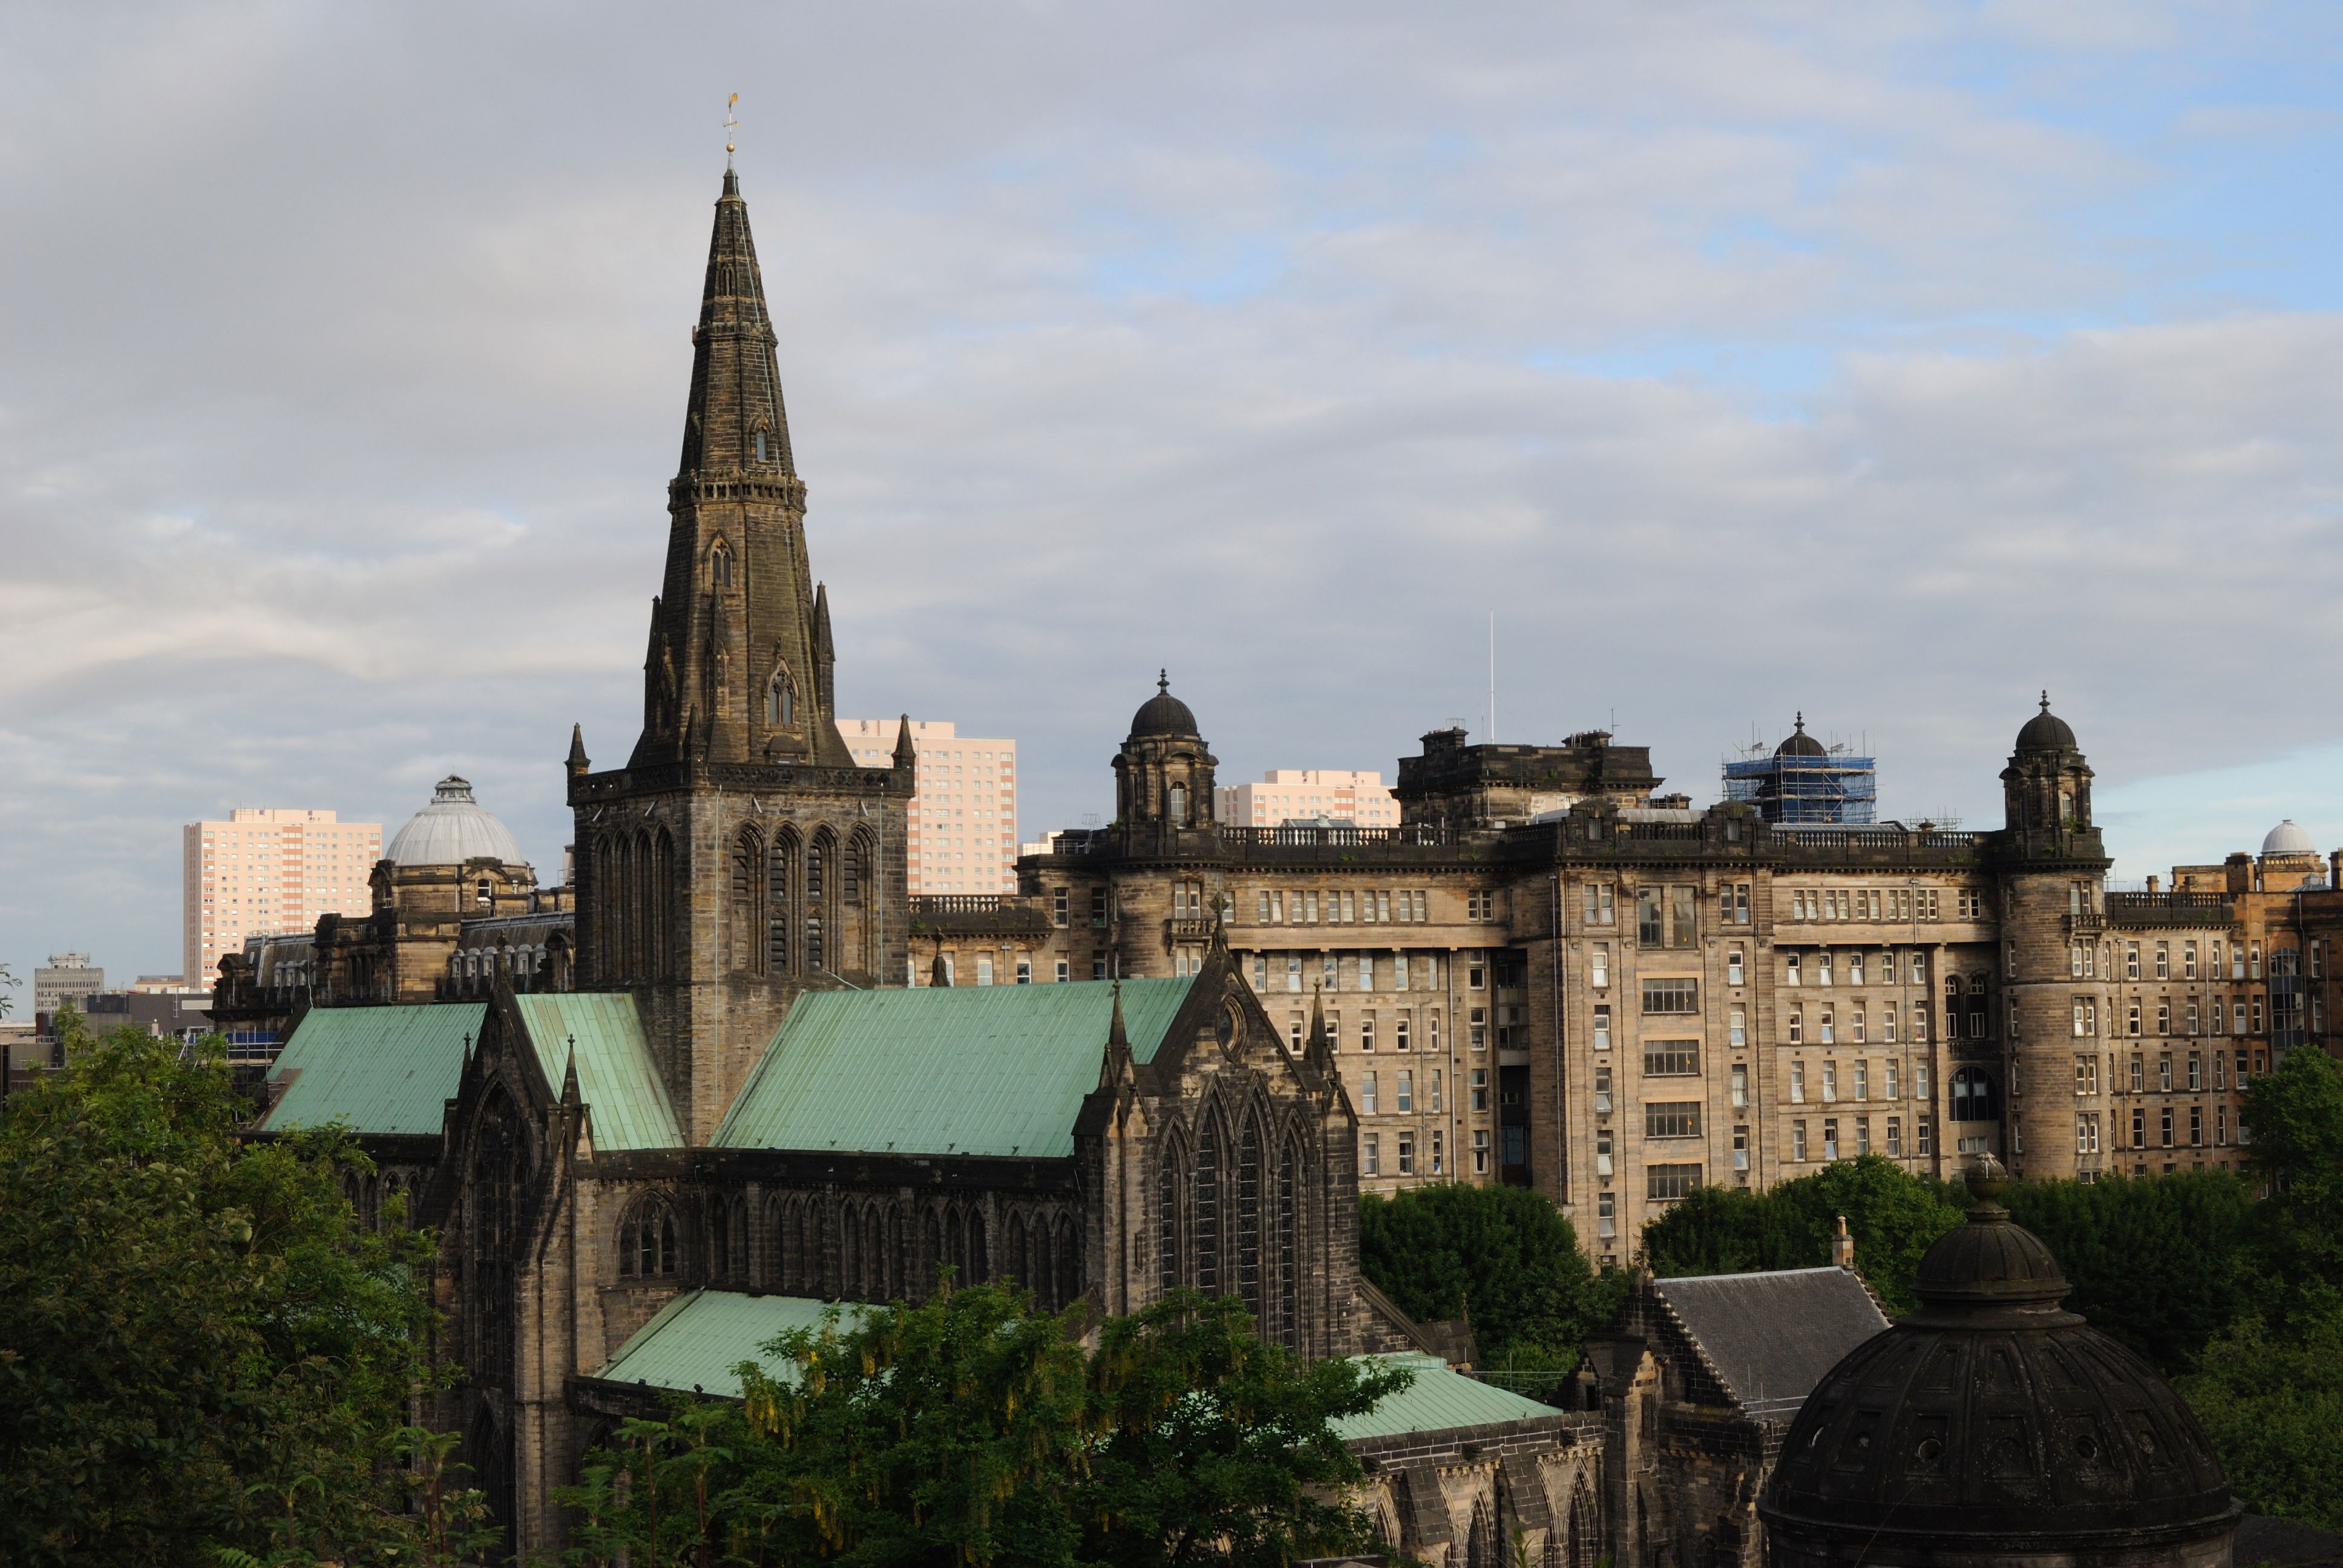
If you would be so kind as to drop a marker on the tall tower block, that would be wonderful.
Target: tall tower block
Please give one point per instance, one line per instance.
(741, 856)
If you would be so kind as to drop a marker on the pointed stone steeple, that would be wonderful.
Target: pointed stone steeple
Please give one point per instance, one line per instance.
(578, 761)
(906, 754)
(740, 666)
(825, 652)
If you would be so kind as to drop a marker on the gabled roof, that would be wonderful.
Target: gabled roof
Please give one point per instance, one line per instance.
(379, 1069)
(615, 1076)
(697, 1339)
(1437, 1399)
(1771, 1337)
(942, 1070)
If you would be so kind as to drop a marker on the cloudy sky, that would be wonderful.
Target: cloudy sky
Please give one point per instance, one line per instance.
(1889, 362)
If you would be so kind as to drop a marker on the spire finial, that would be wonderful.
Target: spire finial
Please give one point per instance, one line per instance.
(1802, 721)
(2046, 699)
(1162, 682)
(731, 125)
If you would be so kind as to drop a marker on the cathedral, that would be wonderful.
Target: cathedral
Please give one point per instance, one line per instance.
(718, 1075)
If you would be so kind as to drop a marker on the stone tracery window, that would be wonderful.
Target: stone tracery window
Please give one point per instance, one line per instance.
(719, 565)
(647, 1242)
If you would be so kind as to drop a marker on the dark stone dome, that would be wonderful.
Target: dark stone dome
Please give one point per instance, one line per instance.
(1162, 713)
(1991, 1420)
(2045, 731)
(1798, 743)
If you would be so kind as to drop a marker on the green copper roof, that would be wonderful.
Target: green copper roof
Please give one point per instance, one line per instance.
(615, 1078)
(944, 1069)
(1437, 1399)
(385, 1069)
(698, 1338)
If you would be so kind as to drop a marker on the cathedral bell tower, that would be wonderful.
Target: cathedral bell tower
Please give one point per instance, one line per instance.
(741, 856)
(1163, 774)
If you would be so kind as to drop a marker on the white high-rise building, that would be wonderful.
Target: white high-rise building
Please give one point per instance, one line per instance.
(1345, 795)
(964, 811)
(266, 871)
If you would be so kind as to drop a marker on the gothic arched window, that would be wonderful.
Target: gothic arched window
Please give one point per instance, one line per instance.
(1974, 1096)
(646, 1248)
(780, 700)
(719, 565)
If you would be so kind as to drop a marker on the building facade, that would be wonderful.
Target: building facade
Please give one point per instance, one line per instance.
(961, 818)
(1342, 795)
(1550, 974)
(67, 979)
(265, 870)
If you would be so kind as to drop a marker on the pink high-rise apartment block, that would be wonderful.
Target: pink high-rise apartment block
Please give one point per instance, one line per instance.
(964, 811)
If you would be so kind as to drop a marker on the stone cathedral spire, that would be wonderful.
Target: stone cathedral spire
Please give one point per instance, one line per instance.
(738, 667)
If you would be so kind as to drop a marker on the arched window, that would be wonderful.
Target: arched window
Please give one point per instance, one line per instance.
(745, 928)
(1013, 1261)
(1177, 807)
(1284, 1262)
(816, 899)
(1171, 1184)
(719, 565)
(1248, 1217)
(1069, 1260)
(646, 1248)
(760, 448)
(781, 871)
(1205, 1213)
(780, 700)
(1974, 1096)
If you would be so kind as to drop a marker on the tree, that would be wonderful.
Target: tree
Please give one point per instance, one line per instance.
(1893, 1216)
(2297, 1116)
(971, 1429)
(2162, 1264)
(200, 1347)
(1504, 1256)
(2272, 1402)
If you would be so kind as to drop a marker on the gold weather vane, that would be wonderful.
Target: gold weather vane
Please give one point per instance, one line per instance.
(730, 126)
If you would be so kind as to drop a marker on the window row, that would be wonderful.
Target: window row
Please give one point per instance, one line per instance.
(1801, 1151)
(2085, 959)
(1666, 914)
(2216, 1015)
(2166, 1128)
(1403, 1158)
(1895, 967)
(1891, 1080)
(1345, 907)
(1403, 1098)
(1354, 971)
(2200, 1070)
(1880, 905)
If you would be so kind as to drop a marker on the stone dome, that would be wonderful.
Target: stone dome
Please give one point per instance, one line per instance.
(1993, 1421)
(2286, 839)
(453, 829)
(1162, 713)
(2045, 731)
(1798, 743)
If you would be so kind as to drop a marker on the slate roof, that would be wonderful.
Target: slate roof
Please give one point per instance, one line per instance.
(1771, 1337)
(1438, 1399)
(996, 1069)
(698, 1338)
(379, 1069)
(616, 1078)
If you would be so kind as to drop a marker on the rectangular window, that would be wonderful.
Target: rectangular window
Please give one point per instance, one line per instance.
(1862, 1081)
(2193, 1020)
(984, 971)
(2188, 960)
(1737, 1027)
(1598, 966)
(1741, 1149)
(1370, 1156)
(1683, 926)
(1607, 1217)
(1407, 1153)
(1294, 971)
(1790, 969)
(1399, 971)
(2131, 960)
(1924, 1137)
(2167, 1126)
(1600, 910)
(1366, 971)
(1065, 970)
(1830, 1081)
(1855, 1029)
(1479, 1083)
(1798, 1140)
(1098, 909)
(1406, 1099)
(2164, 961)
(1665, 1184)
(1795, 1026)
(1672, 996)
(1863, 1135)
(1672, 1119)
(1434, 1087)
(1830, 1137)
(2257, 1015)
(2087, 1132)
(1400, 1041)
(1098, 968)
(1024, 972)
(1671, 1057)
(1740, 1086)
(1476, 1028)
(2087, 1075)
(1058, 907)
(1601, 1026)
(1602, 1091)
(2138, 1128)
(1480, 1152)
(2164, 1072)
(2196, 1072)
(1367, 1033)
(1896, 1138)
(1367, 1094)
(1349, 908)
(1651, 917)
(2163, 1017)
(1798, 1082)
(2131, 1021)
(1889, 1083)
(2138, 1073)
(2196, 1127)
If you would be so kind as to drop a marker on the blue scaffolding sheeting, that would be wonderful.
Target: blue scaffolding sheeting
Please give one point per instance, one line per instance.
(1796, 787)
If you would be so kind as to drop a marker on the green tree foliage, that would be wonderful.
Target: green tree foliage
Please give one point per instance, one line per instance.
(1893, 1215)
(972, 1430)
(1505, 1256)
(2297, 1116)
(2162, 1264)
(2273, 1405)
(199, 1348)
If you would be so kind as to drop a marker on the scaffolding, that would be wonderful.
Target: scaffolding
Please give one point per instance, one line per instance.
(1803, 782)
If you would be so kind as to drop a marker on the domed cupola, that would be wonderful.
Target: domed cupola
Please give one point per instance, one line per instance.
(2047, 791)
(1992, 1424)
(2287, 839)
(1798, 743)
(452, 829)
(1163, 773)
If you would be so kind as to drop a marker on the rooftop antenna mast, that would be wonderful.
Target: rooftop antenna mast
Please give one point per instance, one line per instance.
(1492, 677)
(731, 125)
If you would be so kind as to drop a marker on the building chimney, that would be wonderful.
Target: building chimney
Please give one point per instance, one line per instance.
(1842, 1252)
(2151, 884)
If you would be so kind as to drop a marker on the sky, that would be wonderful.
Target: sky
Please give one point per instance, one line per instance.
(1887, 363)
